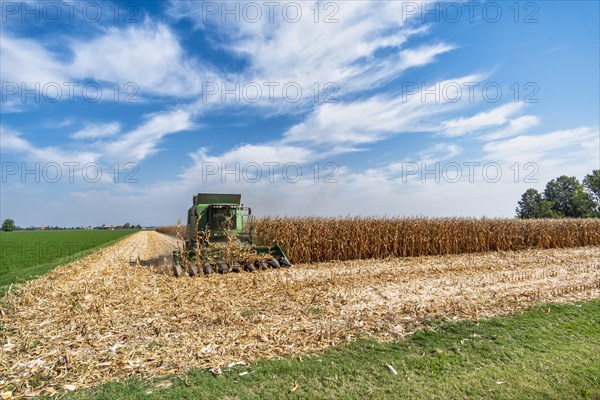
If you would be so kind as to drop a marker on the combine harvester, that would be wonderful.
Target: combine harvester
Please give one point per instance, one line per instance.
(219, 238)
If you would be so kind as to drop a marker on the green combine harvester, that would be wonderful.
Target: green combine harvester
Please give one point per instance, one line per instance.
(219, 238)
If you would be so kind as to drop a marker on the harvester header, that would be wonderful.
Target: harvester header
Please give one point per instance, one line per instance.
(220, 238)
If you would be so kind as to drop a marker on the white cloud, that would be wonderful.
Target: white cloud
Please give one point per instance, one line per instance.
(147, 54)
(514, 127)
(483, 120)
(575, 149)
(65, 122)
(27, 62)
(372, 119)
(133, 146)
(347, 53)
(358, 122)
(12, 105)
(413, 169)
(539, 146)
(13, 142)
(440, 152)
(143, 141)
(423, 55)
(247, 154)
(97, 131)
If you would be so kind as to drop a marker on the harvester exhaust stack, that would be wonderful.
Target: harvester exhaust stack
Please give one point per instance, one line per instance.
(219, 239)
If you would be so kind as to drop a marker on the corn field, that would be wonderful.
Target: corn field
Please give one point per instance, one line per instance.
(324, 239)
(314, 239)
(103, 318)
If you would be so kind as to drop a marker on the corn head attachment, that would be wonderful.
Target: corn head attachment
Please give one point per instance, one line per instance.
(219, 239)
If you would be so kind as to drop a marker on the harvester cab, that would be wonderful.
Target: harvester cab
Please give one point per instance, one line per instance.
(219, 238)
(219, 215)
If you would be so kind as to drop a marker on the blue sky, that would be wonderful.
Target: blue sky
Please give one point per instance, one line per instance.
(121, 111)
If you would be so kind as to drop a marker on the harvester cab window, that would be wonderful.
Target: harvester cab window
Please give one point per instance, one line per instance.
(223, 219)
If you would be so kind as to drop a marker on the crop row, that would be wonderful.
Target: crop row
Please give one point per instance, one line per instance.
(323, 239)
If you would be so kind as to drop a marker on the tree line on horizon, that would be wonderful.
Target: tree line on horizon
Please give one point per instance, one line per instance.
(8, 225)
(563, 197)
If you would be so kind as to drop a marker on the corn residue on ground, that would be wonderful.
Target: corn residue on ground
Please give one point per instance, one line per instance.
(104, 318)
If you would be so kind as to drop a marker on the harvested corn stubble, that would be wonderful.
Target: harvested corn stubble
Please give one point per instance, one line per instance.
(101, 318)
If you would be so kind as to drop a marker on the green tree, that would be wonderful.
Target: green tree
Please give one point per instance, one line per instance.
(584, 204)
(591, 183)
(127, 226)
(533, 205)
(8, 225)
(561, 192)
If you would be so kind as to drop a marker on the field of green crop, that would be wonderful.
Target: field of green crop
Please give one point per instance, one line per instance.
(27, 254)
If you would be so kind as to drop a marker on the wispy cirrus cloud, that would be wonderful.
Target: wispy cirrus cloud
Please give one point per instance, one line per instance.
(14, 142)
(544, 156)
(484, 120)
(147, 55)
(514, 127)
(143, 141)
(439, 152)
(27, 61)
(97, 131)
(347, 52)
(132, 146)
(372, 119)
(564, 146)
